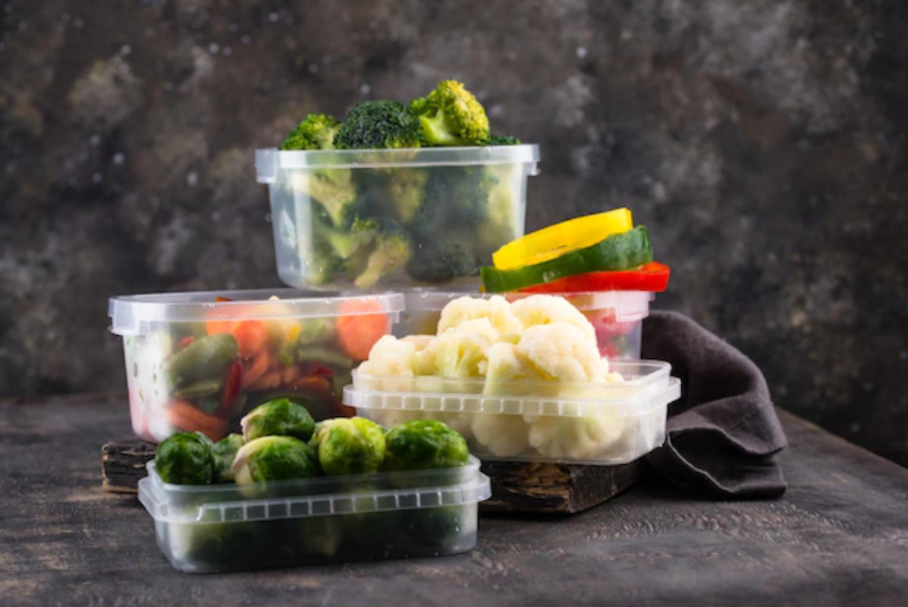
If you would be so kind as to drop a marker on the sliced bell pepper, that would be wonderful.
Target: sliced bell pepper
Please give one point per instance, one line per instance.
(617, 252)
(548, 243)
(653, 277)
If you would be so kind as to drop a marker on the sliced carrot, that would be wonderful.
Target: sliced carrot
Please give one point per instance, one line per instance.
(185, 416)
(216, 327)
(268, 381)
(251, 335)
(357, 330)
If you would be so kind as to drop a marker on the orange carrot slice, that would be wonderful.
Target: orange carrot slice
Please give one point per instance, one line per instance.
(251, 336)
(183, 415)
(357, 330)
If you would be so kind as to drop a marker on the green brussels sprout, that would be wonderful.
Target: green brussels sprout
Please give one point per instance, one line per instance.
(185, 459)
(278, 417)
(423, 444)
(216, 547)
(349, 446)
(273, 458)
(224, 452)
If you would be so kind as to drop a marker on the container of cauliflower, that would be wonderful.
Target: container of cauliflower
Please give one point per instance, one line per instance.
(521, 381)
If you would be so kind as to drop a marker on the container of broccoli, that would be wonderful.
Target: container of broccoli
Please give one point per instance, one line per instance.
(395, 195)
(317, 520)
(198, 362)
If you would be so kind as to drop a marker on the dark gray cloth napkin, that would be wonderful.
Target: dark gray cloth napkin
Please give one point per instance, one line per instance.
(723, 433)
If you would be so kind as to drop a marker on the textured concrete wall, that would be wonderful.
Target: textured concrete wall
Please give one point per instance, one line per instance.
(763, 143)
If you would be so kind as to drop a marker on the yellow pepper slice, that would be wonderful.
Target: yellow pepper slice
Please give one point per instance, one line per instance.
(548, 243)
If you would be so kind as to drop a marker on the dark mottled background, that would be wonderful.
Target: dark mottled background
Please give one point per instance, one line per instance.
(762, 142)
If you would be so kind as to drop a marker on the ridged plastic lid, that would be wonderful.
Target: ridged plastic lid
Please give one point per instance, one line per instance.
(269, 162)
(649, 388)
(627, 305)
(311, 497)
(140, 314)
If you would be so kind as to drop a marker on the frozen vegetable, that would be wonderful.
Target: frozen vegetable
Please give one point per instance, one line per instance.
(433, 224)
(539, 345)
(451, 115)
(651, 277)
(278, 417)
(378, 124)
(424, 444)
(274, 458)
(349, 446)
(223, 453)
(622, 251)
(185, 459)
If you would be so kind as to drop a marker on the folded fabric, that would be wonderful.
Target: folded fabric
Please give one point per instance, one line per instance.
(723, 433)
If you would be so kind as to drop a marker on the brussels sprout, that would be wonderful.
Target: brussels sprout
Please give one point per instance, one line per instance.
(185, 459)
(273, 458)
(423, 444)
(278, 417)
(216, 546)
(223, 453)
(349, 446)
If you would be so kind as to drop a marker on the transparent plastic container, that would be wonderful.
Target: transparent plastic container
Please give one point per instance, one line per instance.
(617, 316)
(199, 361)
(533, 421)
(217, 528)
(451, 207)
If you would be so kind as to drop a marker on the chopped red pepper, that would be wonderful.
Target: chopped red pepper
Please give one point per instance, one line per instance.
(231, 390)
(652, 277)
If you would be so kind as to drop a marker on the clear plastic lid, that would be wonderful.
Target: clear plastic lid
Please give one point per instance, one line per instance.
(269, 162)
(647, 385)
(320, 496)
(628, 306)
(140, 314)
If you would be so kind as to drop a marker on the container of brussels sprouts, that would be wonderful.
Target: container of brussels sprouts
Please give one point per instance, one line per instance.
(200, 361)
(343, 490)
(395, 195)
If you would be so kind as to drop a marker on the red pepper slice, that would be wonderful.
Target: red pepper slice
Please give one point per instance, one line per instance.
(652, 277)
(231, 389)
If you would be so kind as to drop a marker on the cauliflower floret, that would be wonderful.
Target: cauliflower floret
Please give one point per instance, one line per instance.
(455, 354)
(388, 418)
(559, 351)
(389, 359)
(504, 366)
(538, 310)
(496, 310)
(576, 438)
(419, 341)
(501, 435)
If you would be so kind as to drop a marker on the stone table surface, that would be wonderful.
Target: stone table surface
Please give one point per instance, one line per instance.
(838, 537)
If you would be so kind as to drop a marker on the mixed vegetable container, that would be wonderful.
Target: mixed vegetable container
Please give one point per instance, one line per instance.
(337, 423)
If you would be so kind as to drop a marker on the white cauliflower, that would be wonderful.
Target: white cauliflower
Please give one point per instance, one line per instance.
(575, 438)
(500, 435)
(560, 352)
(505, 365)
(389, 359)
(496, 310)
(419, 341)
(538, 310)
(455, 354)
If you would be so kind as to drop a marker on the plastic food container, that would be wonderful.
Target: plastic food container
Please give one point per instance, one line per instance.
(216, 528)
(200, 361)
(533, 421)
(616, 315)
(396, 217)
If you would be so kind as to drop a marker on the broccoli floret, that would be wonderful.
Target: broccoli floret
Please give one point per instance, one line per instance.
(378, 124)
(322, 263)
(451, 115)
(502, 140)
(393, 249)
(315, 132)
(441, 261)
(456, 197)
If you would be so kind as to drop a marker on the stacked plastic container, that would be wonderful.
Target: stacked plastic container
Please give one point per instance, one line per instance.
(200, 361)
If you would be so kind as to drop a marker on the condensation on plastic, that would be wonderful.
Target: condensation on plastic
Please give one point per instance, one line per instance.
(140, 314)
(617, 316)
(627, 419)
(213, 528)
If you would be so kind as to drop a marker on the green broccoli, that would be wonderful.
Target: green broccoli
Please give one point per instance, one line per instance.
(450, 115)
(502, 140)
(378, 124)
(322, 263)
(442, 260)
(315, 132)
(393, 249)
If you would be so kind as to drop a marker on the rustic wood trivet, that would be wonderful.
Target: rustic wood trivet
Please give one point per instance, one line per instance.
(516, 487)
